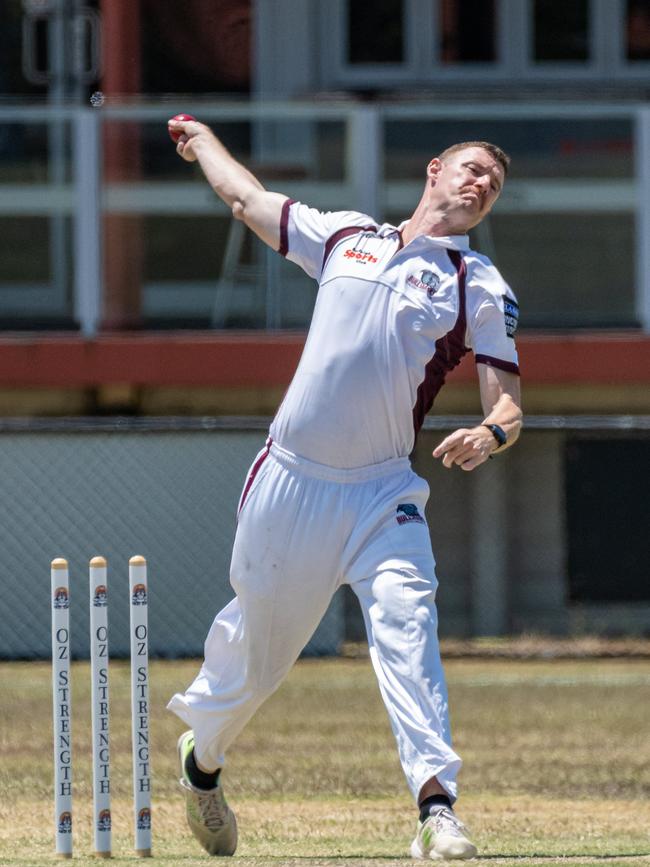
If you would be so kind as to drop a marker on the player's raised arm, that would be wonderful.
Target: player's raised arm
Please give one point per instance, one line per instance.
(234, 183)
(501, 401)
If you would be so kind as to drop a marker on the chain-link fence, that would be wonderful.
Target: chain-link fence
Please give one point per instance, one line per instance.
(522, 545)
(166, 490)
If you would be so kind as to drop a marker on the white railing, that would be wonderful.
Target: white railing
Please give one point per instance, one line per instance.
(85, 198)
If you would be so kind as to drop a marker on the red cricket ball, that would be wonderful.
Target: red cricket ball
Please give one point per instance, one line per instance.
(175, 134)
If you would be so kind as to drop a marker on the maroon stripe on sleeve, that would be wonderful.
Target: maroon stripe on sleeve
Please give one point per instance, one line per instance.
(448, 353)
(339, 235)
(283, 249)
(508, 366)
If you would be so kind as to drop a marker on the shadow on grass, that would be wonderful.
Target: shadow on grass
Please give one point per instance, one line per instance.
(389, 859)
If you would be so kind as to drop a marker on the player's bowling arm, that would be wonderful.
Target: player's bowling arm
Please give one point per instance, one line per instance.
(232, 182)
(261, 210)
(468, 448)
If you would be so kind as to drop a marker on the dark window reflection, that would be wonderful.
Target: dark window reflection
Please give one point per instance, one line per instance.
(375, 31)
(638, 30)
(467, 31)
(197, 46)
(561, 30)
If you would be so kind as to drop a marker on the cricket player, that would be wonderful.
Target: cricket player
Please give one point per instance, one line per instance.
(332, 498)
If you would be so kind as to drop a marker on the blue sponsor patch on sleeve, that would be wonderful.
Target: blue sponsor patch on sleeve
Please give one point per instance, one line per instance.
(511, 315)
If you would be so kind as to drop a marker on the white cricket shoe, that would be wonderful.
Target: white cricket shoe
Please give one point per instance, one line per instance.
(442, 837)
(210, 818)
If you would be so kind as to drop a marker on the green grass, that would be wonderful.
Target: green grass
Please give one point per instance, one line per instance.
(557, 766)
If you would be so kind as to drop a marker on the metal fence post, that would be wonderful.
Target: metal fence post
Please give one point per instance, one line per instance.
(87, 220)
(364, 159)
(642, 150)
(489, 551)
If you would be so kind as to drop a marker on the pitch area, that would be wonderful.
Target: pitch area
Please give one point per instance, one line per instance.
(557, 766)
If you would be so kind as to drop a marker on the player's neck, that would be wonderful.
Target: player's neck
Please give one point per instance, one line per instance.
(433, 221)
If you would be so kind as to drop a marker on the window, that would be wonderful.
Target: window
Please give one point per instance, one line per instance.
(467, 31)
(561, 31)
(637, 30)
(609, 545)
(410, 44)
(197, 46)
(375, 32)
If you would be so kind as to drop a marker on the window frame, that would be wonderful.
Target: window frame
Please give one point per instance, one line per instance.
(514, 47)
(621, 66)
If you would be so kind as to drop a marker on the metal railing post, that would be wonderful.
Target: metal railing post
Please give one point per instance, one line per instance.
(642, 150)
(489, 552)
(87, 221)
(364, 160)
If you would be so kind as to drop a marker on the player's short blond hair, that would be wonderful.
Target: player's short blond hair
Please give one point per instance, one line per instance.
(499, 155)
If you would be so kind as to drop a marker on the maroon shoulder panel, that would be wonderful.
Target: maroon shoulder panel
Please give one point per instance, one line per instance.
(339, 235)
(448, 353)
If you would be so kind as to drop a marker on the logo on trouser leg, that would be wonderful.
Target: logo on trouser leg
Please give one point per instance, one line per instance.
(408, 512)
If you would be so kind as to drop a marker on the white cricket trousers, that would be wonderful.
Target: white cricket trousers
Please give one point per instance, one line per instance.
(303, 530)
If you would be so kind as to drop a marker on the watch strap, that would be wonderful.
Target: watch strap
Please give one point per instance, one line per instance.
(498, 433)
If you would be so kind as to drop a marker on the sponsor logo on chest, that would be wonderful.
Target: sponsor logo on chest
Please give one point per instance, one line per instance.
(361, 258)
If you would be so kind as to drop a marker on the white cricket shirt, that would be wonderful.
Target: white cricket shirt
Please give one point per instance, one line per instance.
(390, 322)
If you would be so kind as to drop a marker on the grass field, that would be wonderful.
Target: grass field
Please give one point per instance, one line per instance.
(557, 766)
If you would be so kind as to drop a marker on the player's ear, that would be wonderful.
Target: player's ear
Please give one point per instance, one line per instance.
(433, 169)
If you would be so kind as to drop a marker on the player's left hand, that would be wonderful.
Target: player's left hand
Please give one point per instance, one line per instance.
(466, 448)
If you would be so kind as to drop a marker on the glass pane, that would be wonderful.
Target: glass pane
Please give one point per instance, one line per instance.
(24, 152)
(568, 270)
(638, 30)
(151, 47)
(561, 30)
(467, 31)
(543, 149)
(197, 46)
(376, 33)
(182, 291)
(168, 262)
(36, 264)
(592, 559)
(35, 272)
(13, 81)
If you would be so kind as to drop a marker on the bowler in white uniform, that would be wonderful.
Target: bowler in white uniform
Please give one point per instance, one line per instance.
(332, 498)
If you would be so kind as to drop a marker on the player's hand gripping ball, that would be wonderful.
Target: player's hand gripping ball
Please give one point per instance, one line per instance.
(175, 134)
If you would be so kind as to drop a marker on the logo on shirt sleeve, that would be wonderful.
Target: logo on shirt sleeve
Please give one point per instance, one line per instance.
(511, 315)
(428, 281)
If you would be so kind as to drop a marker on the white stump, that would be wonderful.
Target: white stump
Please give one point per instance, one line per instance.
(100, 719)
(140, 704)
(61, 705)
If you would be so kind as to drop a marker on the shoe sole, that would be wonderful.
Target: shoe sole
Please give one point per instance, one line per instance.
(418, 854)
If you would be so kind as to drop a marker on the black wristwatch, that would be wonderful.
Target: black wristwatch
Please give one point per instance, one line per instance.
(498, 433)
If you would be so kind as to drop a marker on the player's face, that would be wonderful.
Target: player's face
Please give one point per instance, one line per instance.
(467, 184)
